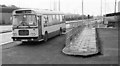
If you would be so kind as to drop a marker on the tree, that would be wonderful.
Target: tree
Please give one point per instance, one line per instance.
(3, 5)
(13, 6)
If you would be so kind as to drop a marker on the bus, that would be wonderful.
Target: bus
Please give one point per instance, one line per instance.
(36, 25)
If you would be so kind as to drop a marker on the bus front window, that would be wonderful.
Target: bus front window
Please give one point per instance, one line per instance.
(24, 20)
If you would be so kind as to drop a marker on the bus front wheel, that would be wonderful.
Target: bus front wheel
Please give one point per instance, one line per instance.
(46, 37)
(60, 32)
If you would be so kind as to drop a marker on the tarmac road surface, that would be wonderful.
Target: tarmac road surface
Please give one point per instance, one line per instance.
(51, 52)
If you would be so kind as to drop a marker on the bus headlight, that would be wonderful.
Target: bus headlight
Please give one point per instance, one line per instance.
(33, 34)
(14, 34)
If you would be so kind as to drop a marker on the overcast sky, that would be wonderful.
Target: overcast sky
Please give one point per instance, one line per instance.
(91, 7)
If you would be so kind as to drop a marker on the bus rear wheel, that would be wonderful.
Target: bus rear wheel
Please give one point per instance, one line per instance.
(46, 37)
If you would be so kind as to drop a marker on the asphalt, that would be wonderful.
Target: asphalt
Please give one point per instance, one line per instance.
(51, 52)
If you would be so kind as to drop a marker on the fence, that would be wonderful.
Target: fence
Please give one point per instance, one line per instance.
(75, 29)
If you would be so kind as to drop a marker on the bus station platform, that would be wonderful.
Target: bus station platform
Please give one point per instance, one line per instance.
(83, 44)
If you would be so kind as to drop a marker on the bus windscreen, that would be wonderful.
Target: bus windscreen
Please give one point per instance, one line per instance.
(24, 20)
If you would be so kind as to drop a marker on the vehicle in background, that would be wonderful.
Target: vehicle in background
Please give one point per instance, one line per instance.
(112, 19)
(36, 25)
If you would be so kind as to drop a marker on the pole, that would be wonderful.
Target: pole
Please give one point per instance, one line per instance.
(59, 5)
(101, 11)
(105, 6)
(82, 7)
(54, 5)
(115, 5)
(101, 7)
(82, 11)
(50, 5)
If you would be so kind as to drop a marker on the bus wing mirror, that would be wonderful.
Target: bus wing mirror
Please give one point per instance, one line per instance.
(11, 18)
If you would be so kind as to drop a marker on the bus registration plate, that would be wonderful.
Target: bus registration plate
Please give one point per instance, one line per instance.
(23, 32)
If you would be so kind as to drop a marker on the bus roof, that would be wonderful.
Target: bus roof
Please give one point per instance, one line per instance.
(40, 11)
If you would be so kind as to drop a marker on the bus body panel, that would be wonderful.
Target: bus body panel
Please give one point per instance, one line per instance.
(32, 32)
(53, 28)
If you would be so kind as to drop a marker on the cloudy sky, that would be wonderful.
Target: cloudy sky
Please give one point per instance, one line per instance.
(92, 7)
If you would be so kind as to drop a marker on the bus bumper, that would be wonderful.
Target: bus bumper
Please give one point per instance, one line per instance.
(26, 38)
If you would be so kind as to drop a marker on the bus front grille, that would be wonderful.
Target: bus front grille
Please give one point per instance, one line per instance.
(23, 32)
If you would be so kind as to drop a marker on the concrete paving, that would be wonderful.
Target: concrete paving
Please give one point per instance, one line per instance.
(5, 28)
(5, 38)
(83, 44)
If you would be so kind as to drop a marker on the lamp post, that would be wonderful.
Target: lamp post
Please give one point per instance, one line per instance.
(101, 7)
(59, 5)
(50, 5)
(105, 6)
(54, 5)
(82, 8)
(83, 11)
(115, 5)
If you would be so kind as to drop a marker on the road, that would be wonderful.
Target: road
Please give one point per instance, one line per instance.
(51, 52)
(109, 43)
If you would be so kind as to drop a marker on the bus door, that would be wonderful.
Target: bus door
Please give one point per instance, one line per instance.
(40, 26)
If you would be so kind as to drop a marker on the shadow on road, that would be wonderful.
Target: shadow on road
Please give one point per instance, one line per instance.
(37, 43)
(89, 56)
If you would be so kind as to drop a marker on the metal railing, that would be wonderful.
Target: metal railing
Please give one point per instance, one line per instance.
(73, 31)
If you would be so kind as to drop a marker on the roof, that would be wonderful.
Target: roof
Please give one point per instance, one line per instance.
(43, 11)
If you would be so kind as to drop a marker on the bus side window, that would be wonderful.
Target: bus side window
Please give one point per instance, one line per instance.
(60, 18)
(45, 18)
(63, 17)
(57, 18)
(50, 18)
(53, 17)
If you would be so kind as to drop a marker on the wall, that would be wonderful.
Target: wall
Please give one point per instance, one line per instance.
(5, 19)
(5, 14)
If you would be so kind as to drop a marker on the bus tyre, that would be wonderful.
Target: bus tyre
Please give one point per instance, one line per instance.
(60, 33)
(46, 37)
